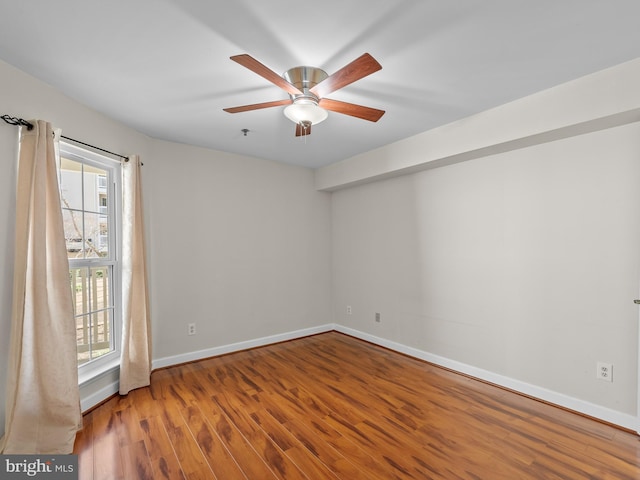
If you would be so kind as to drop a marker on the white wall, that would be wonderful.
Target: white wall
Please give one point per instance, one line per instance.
(7, 222)
(523, 264)
(238, 245)
(504, 245)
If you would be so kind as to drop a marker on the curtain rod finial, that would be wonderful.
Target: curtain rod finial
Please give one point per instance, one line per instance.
(19, 122)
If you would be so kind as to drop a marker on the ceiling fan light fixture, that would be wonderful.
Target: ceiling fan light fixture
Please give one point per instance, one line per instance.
(305, 112)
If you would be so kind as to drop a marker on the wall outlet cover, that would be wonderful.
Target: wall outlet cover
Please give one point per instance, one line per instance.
(604, 371)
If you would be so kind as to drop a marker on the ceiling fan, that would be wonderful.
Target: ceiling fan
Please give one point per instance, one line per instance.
(307, 87)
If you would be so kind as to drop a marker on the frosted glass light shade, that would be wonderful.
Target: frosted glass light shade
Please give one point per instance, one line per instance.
(305, 112)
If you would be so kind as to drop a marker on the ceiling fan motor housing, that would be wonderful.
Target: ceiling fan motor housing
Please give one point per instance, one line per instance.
(305, 78)
(305, 110)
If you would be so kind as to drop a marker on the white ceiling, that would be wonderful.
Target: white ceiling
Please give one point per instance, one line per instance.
(163, 68)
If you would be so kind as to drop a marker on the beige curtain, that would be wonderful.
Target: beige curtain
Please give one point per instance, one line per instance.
(135, 362)
(43, 400)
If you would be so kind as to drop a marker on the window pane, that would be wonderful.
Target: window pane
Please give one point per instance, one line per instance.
(71, 184)
(94, 335)
(100, 333)
(93, 307)
(85, 203)
(96, 235)
(100, 290)
(83, 338)
(80, 290)
(95, 187)
(73, 233)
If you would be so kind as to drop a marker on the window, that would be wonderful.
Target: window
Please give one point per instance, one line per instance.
(89, 195)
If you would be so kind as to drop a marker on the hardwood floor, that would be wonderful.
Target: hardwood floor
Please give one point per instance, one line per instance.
(334, 407)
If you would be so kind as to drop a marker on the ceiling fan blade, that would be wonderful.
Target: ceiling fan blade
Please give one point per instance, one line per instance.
(366, 113)
(257, 106)
(359, 68)
(302, 130)
(265, 72)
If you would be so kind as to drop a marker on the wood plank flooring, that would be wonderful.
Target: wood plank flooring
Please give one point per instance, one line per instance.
(334, 407)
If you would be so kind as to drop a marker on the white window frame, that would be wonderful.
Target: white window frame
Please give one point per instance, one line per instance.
(110, 361)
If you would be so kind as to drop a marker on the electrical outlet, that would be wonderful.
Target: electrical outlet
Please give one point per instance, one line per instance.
(191, 329)
(349, 311)
(377, 317)
(605, 371)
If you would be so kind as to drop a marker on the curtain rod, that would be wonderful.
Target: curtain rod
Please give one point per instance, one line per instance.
(126, 159)
(21, 122)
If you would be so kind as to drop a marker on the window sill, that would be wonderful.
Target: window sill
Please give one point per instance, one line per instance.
(96, 372)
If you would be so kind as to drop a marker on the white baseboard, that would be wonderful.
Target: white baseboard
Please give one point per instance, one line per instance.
(235, 347)
(596, 411)
(98, 396)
